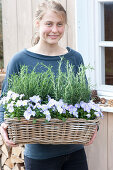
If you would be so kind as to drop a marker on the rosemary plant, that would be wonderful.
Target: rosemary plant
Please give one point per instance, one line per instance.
(70, 87)
(33, 83)
(65, 85)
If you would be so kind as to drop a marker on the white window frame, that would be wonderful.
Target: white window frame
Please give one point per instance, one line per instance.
(106, 90)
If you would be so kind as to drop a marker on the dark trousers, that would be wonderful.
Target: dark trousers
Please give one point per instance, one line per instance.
(74, 161)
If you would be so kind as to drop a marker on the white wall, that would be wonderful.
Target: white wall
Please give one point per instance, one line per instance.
(85, 39)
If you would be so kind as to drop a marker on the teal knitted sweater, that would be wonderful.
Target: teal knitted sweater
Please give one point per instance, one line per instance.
(25, 57)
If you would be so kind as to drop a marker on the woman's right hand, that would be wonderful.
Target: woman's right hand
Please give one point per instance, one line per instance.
(4, 134)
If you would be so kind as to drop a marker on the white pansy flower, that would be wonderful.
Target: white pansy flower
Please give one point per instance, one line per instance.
(47, 114)
(14, 96)
(25, 102)
(18, 103)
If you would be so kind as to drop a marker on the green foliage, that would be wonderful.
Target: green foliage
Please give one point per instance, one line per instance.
(33, 83)
(65, 85)
(70, 87)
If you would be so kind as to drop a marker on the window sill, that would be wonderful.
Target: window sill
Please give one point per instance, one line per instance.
(105, 108)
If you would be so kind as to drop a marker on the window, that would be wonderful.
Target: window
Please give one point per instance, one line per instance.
(1, 38)
(94, 40)
(106, 41)
(104, 31)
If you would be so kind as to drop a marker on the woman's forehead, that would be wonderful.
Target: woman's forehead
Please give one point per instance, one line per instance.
(53, 16)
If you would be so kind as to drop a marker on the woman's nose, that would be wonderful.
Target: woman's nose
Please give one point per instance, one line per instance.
(54, 28)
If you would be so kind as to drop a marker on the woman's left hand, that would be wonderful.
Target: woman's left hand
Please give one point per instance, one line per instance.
(92, 139)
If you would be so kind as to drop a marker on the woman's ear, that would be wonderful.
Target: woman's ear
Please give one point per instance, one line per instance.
(37, 24)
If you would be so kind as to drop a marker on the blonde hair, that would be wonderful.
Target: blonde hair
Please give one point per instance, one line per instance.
(41, 10)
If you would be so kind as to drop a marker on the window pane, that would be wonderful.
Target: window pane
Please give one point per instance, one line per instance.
(1, 38)
(109, 66)
(108, 21)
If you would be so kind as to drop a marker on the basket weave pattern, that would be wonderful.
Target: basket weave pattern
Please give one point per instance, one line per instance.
(73, 131)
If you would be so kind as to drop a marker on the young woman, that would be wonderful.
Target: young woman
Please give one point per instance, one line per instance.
(50, 23)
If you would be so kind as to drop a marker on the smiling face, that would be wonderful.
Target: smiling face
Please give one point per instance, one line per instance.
(51, 27)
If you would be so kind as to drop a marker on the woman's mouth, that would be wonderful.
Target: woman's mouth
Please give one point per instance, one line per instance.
(53, 36)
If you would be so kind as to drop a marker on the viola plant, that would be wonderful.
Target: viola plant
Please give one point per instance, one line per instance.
(45, 95)
(16, 106)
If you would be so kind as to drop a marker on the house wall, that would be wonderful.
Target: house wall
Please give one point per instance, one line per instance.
(17, 33)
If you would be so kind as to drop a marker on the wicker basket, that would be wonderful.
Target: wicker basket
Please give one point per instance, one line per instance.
(73, 131)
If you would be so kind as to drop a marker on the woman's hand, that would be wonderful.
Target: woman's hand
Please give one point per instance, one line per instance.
(4, 134)
(92, 139)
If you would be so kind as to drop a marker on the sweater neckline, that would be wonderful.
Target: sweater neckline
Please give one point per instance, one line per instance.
(46, 57)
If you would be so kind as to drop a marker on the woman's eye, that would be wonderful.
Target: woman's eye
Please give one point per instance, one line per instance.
(60, 24)
(49, 24)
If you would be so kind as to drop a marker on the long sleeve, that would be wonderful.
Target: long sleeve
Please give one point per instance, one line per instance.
(12, 68)
(1, 114)
(4, 90)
